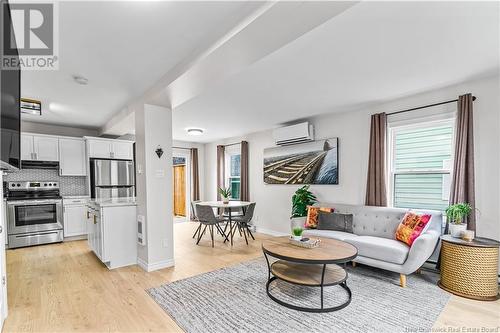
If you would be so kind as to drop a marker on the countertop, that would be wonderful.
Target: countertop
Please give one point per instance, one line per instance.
(114, 202)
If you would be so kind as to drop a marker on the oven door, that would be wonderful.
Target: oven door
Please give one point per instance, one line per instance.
(34, 215)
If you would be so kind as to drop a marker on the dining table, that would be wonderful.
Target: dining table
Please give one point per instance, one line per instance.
(229, 207)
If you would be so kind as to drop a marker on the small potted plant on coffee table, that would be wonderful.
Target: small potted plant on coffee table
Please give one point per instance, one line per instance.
(297, 233)
(455, 215)
(225, 194)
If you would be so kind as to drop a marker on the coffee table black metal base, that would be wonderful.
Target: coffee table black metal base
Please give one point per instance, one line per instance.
(328, 278)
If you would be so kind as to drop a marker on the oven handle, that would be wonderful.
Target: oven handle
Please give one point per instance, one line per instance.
(33, 202)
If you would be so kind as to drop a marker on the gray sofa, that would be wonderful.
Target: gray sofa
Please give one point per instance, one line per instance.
(374, 237)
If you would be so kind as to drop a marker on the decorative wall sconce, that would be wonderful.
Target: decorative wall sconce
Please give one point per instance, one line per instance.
(159, 151)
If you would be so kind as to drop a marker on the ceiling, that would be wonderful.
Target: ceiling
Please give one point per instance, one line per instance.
(235, 67)
(122, 48)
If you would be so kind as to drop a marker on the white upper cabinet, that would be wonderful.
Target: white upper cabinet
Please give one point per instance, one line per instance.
(72, 157)
(109, 148)
(122, 150)
(39, 148)
(46, 148)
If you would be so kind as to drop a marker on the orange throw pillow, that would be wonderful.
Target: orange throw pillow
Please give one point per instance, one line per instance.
(312, 216)
(411, 227)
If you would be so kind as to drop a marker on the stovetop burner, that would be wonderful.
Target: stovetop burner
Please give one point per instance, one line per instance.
(32, 190)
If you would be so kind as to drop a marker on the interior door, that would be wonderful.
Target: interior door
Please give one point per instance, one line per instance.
(179, 190)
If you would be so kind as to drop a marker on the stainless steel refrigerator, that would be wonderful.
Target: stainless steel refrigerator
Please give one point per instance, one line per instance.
(112, 179)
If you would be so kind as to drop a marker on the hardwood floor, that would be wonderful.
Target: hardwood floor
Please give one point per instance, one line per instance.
(63, 287)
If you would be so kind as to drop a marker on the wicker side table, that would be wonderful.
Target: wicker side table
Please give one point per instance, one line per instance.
(470, 269)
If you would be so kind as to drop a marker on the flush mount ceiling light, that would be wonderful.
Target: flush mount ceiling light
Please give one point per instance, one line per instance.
(194, 131)
(80, 80)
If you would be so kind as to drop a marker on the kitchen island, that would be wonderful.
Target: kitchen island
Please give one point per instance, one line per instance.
(112, 231)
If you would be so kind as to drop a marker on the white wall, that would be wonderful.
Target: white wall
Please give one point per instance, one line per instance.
(42, 128)
(352, 129)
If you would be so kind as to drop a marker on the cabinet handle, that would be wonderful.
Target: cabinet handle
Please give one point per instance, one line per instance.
(88, 214)
(95, 221)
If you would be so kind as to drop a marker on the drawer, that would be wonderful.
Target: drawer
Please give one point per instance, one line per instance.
(74, 201)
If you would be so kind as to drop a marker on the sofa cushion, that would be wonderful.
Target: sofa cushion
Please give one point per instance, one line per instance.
(312, 216)
(339, 235)
(411, 226)
(379, 248)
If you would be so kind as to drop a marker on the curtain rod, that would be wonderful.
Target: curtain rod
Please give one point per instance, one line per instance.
(427, 106)
(232, 144)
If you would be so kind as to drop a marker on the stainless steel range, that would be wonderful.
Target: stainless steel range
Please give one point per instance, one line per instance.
(34, 213)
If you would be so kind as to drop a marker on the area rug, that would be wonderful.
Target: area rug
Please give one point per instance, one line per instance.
(234, 299)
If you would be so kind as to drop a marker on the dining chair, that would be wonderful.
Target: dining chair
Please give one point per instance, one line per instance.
(207, 218)
(244, 221)
(194, 217)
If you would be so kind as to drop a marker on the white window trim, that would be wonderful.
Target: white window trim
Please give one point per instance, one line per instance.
(230, 151)
(395, 127)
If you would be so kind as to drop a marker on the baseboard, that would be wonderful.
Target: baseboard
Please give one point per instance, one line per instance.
(149, 267)
(271, 232)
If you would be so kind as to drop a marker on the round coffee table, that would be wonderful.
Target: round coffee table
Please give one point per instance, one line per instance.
(317, 267)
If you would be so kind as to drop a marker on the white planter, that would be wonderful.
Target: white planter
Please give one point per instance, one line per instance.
(297, 238)
(456, 230)
(225, 200)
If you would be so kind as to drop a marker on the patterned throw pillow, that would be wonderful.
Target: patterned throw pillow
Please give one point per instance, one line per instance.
(312, 216)
(411, 227)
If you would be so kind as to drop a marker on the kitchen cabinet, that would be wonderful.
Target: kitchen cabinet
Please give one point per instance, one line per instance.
(109, 148)
(72, 157)
(112, 234)
(39, 147)
(75, 217)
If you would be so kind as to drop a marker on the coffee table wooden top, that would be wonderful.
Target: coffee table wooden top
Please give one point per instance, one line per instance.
(330, 251)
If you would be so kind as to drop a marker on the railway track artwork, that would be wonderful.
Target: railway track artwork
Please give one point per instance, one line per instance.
(309, 163)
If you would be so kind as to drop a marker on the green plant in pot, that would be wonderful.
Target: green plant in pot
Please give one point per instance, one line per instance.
(297, 233)
(456, 214)
(225, 194)
(300, 200)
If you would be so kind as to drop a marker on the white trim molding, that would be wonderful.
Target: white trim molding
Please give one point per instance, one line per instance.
(156, 265)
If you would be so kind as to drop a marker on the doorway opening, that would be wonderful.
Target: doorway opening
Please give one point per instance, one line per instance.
(181, 172)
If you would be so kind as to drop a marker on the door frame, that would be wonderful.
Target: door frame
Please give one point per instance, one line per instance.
(185, 153)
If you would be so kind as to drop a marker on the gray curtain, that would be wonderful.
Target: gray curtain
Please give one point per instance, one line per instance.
(244, 190)
(376, 192)
(221, 161)
(195, 179)
(462, 182)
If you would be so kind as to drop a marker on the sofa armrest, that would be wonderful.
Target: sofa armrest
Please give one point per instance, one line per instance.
(297, 222)
(421, 250)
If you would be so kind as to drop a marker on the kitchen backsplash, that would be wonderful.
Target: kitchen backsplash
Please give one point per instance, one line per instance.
(69, 185)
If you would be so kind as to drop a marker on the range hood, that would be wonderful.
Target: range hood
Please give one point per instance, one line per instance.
(39, 164)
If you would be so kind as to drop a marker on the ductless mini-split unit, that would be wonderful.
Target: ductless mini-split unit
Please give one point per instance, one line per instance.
(290, 135)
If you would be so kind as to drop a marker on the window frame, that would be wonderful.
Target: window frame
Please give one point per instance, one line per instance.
(393, 129)
(231, 151)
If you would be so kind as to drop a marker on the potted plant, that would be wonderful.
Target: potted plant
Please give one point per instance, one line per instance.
(297, 233)
(300, 200)
(455, 214)
(225, 193)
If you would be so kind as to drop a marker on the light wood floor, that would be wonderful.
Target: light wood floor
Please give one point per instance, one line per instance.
(63, 288)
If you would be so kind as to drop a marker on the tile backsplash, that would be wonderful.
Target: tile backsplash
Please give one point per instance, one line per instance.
(69, 185)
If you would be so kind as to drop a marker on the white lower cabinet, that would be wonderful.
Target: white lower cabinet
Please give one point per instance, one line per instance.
(75, 217)
(112, 234)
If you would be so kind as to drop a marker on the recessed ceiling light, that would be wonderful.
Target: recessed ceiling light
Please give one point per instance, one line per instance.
(194, 131)
(80, 80)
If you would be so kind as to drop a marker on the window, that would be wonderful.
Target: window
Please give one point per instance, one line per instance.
(233, 162)
(420, 165)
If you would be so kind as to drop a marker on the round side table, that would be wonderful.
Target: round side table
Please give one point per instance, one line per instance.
(470, 269)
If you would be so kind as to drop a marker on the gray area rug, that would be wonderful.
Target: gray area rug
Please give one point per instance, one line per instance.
(234, 299)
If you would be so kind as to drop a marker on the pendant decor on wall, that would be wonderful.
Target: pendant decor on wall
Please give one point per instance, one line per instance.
(159, 151)
(308, 163)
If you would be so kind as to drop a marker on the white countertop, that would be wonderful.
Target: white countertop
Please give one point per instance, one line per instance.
(114, 202)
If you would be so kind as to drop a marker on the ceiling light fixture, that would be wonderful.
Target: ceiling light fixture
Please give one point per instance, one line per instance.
(81, 80)
(194, 131)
